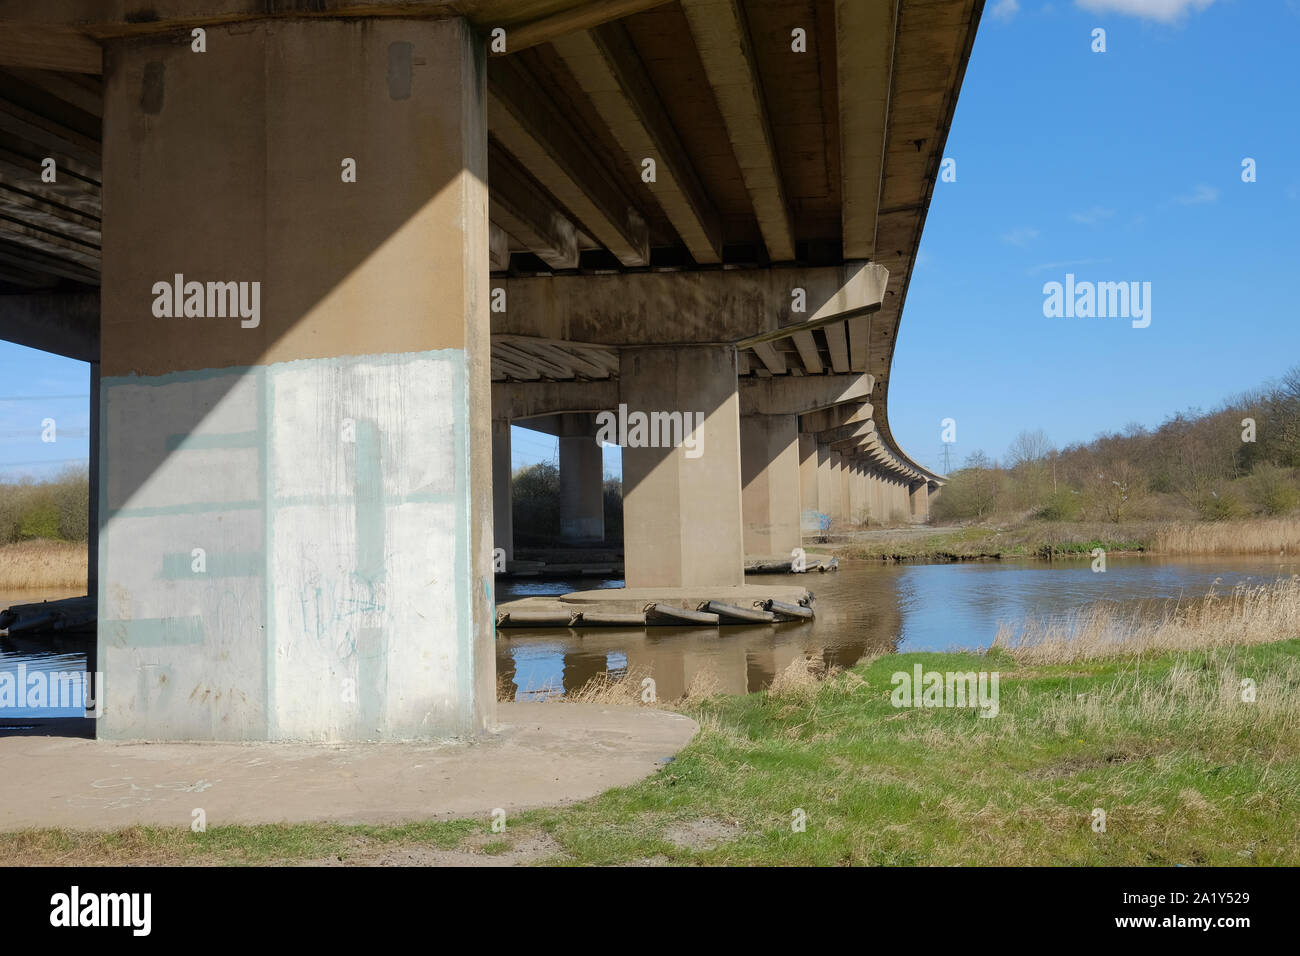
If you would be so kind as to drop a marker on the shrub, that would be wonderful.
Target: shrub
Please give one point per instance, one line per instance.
(1216, 506)
(1064, 505)
(1272, 490)
(535, 494)
(40, 521)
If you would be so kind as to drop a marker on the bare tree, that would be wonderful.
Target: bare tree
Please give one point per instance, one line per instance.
(1029, 461)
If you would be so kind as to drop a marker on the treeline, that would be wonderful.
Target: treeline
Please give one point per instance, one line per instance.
(55, 510)
(1238, 460)
(535, 504)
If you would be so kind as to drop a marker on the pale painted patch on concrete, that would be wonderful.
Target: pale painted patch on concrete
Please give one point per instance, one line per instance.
(331, 500)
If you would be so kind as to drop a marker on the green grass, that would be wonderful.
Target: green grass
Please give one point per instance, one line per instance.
(1186, 771)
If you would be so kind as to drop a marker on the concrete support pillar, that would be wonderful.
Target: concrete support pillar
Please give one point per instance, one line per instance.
(582, 481)
(503, 522)
(838, 507)
(769, 475)
(92, 542)
(920, 501)
(296, 531)
(828, 483)
(681, 483)
(857, 492)
(845, 496)
(808, 484)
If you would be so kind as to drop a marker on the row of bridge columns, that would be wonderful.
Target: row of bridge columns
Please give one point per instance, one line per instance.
(302, 466)
(752, 486)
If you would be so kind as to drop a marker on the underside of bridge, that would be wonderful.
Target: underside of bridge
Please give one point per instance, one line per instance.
(321, 255)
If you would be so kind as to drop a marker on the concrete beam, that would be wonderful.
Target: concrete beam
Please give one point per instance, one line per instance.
(49, 134)
(772, 360)
(48, 47)
(585, 17)
(527, 24)
(527, 214)
(498, 248)
(66, 325)
(609, 70)
(722, 307)
(864, 43)
(837, 343)
(545, 142)
(722, 38)
(77, 186)
(516, 400)
(847, 438)
(842, 414)
(800, 396)
(808, 353)
(859, 331)
(857, 298)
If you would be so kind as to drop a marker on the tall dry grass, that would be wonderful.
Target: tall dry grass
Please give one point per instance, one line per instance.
(43, 564)
(1255, 536)
(1245, 615)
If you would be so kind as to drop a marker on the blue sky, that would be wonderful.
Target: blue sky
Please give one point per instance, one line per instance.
(1115, 166)
(36, 386)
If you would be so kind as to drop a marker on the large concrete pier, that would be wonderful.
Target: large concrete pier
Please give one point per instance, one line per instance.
(321, 261)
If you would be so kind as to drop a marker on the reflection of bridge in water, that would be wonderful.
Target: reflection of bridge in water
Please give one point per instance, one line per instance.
(857, 617)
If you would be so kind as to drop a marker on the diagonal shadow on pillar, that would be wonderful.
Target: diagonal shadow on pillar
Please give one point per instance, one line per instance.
(290, 546)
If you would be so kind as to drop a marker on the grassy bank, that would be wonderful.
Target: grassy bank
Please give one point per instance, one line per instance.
(43, 564)
(1058, 539)
(1155, 733)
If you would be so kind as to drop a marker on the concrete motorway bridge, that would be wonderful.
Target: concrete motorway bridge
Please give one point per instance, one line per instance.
(320, 254)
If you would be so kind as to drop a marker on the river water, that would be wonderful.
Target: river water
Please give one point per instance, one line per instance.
(26, 662)
(865, 608)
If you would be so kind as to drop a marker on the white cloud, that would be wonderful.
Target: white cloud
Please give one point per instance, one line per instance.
(1164, 11)
(1090, 217)
(1020, 236)
(1057, 266)
(1005, 9)
(1202, 193)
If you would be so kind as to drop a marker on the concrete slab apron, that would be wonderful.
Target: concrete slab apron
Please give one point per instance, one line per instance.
(540, 755)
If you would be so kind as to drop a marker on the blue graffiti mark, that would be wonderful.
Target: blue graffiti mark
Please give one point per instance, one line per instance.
(329, 608)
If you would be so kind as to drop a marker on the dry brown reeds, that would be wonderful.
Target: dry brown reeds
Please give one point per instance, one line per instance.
(1244, 615)
(43, 565)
